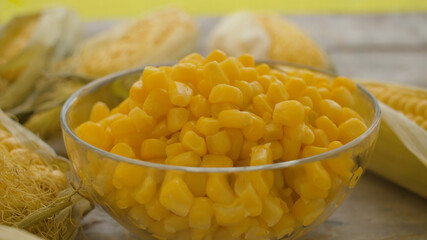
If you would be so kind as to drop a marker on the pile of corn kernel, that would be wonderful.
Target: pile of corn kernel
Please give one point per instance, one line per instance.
(223, 111)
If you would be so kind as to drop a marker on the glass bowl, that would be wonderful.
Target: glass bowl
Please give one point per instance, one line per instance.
(277, 201)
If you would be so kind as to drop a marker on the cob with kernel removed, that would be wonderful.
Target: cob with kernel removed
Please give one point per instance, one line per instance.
(219, 112)
(401, 152)
(266, 36)
(34, 187)
(166, 35)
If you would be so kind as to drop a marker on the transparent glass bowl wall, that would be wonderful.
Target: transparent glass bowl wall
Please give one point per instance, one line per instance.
(148, 218)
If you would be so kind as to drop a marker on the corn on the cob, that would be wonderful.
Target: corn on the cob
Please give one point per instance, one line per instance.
(266, 37)
(36, 194)
(401, 152)
(28, 46)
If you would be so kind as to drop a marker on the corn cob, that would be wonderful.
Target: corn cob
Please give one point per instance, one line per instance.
(401, 152)
(28, 46)
(266, 37)
(35, 189)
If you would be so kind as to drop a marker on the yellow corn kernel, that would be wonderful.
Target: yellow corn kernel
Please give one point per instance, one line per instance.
(204, 87)
(345, 82)
(229, 215)
(246, 148)
(156, 80)
(92, 133)
(262, 69)
(348, 113)
(174, 223)
(314, 95)
(139, 217)
(124, 107)
(236, 139)
(276, 150)
(141, 120)
(318, 175)
(247, 194)
(257, 230)
(215, 55)
(127, 175)
(157, 103)
(296, 87)
(236, 231)
(350, 130)
(342, 96)
(277, 93)
(188, 126)
(99, 111)
(262, 182)
(193, 58)
(291, 149)
(306, 211)
(334, 144)
(199, 106)
(215, 161)
(218, 143)
(247, 60)
(179, 93)
(261, 104)
(122, 126)
(137, 92)
(196, 182)
(214, 75)
(285, 226)
(188, 159)
(152, 148)
(176, 118)
(324, 92)
(158, 231)
(328, 126)
(271, 211)
(234, 118)
(124, 199)
(306, 101)
(223, 93)
(155, 209)
(207, 126)
(289, 113)
(255, 130)
(256, 88)
(265, 81)
(246, 90)
(217, 108)
(261, 155)
(311, 150)
(320, 138)
(218, 188)
(201, 213)
(160, 129)
(148, 71)
(175, 196)
(184, 72)
(194, 142)
(248, 74)
(173, 138)
(331, 109)
(273, 131)
(146, 190)
(174, 149)
(230, 67)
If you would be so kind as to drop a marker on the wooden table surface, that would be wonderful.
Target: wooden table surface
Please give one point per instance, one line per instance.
(391, 47)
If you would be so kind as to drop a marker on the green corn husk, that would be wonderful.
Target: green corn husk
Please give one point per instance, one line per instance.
(30, 45)
(40, 212)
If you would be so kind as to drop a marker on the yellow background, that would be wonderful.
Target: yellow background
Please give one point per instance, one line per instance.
(103, 9)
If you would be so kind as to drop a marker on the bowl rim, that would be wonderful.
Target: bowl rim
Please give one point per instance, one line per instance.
(96, 84)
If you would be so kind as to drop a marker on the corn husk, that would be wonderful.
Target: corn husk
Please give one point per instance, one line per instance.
(7, 233)
(266, 36)
(49, 216)
(164, 36)
(29, 46)
(401, 151)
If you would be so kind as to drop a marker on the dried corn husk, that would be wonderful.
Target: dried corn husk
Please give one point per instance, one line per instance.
(37, 187)
(28, 46)
(401, 151)
(266, 36)
(7, 233)
(164, 36)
